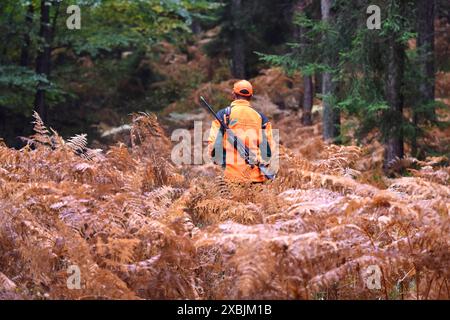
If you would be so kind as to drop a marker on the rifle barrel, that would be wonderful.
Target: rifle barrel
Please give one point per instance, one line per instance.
(248, 156)
(211, 110)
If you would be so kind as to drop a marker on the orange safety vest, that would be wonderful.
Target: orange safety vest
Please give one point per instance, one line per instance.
(251, 127)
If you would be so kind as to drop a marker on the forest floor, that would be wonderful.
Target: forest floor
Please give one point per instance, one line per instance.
(137, 226)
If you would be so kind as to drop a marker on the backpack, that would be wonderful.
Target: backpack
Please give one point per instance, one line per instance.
(221, 157)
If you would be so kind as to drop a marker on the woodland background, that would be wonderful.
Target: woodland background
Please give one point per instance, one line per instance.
(364, 125)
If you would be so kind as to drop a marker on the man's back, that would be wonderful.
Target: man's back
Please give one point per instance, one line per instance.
(251, 127)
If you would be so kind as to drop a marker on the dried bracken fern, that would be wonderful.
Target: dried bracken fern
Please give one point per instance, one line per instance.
(137, 227)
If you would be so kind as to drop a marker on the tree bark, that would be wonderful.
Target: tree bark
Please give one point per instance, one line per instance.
(426, 10)
(308, 88)
(196, 27)
(318, 83)
(425, 45)
(394, 134)
(307, 100)
(331, 115)
(43, 59)
(25, 51)
(238, 44)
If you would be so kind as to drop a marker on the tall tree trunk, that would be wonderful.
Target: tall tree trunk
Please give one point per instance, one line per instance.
(238, 44)
(394, 134)
(307, 100)
(425, 45)
(331, 116)
(318, 83)
(195, 26)
(43, 59)
(25, 51)
(308, 88)
(426, 10)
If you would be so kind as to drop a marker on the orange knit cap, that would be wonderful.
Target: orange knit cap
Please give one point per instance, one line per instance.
(243, 88)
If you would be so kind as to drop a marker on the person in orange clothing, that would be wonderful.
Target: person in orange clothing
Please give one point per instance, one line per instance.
(251, 127)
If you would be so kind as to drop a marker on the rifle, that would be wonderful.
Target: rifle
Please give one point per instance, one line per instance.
(246, 154)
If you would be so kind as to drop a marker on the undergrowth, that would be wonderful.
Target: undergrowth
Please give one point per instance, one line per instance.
(137, 227)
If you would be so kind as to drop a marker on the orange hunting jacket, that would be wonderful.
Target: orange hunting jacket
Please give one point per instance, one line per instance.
(251, 127)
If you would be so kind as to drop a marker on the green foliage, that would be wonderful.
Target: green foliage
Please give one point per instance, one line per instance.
(112, 25)
(361, 69)
(108, 29)
(17, 85)
(20, 77)
(266, 28)
(309, 57)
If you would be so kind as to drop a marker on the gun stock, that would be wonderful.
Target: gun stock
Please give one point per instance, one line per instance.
(243, 150)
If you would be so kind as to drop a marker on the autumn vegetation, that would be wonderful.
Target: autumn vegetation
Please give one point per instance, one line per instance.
(138, 227)
(112, 203)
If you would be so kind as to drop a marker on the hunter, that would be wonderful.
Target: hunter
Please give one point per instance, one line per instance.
(250, 126)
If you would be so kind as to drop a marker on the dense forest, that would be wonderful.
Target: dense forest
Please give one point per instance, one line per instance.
(91, 92)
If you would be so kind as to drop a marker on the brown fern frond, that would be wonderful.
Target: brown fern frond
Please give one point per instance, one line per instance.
(6, 284)
(41, 134)
(78, 143)
(138, 227)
